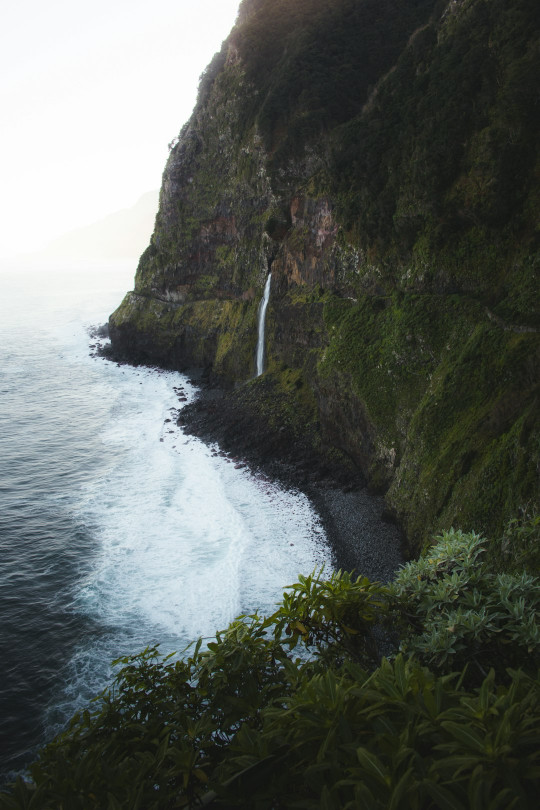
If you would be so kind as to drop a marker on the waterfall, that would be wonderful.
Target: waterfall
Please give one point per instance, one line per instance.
(262, 318)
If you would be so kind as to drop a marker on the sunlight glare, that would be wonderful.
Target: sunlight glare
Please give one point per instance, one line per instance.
(91, 94)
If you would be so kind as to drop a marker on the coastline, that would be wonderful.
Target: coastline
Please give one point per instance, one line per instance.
(362, 535)
(361, 532)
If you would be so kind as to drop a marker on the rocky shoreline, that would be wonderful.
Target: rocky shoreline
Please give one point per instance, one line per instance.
(362, 534)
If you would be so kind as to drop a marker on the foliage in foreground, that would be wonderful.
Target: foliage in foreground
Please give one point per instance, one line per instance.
(246, 723)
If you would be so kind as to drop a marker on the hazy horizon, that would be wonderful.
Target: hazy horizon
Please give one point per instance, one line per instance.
(92, 93)
(120, 234)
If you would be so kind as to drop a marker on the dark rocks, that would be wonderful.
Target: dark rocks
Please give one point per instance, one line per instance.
(355, 521)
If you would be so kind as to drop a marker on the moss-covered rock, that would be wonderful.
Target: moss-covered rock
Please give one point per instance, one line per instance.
(400, 225)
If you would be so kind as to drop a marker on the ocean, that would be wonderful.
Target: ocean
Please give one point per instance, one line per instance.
(117, 531)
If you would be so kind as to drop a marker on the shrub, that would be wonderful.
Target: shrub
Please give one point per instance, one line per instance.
(243, 723)
(457, 611)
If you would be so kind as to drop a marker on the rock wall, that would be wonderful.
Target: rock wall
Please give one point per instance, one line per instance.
(414, 351)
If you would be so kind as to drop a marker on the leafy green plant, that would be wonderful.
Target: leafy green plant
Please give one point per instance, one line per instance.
(240, 722)
(334, 617)
(458, 611)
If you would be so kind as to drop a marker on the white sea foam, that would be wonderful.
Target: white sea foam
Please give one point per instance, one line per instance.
(186, 540)
(153, 536)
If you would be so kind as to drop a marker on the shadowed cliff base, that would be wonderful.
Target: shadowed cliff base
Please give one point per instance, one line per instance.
(249, 423)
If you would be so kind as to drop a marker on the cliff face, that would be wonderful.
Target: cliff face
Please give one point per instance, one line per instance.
(381, 159)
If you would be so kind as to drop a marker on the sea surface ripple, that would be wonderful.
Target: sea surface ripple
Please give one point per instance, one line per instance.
(116, 530)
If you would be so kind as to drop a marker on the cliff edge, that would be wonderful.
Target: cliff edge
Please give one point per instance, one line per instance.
(380, 159)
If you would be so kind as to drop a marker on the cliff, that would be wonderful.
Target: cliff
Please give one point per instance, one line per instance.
(380, 158)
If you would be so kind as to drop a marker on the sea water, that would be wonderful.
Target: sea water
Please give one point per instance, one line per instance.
(117, 531)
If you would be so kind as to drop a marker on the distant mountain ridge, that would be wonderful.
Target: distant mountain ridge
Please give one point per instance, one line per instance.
(122, 234)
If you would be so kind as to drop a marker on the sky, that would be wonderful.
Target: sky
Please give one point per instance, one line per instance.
(91, 93)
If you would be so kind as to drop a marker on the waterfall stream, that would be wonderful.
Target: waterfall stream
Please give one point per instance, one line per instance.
(262, 317)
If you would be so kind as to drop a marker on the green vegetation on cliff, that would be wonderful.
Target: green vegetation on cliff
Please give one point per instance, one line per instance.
(464, 447)
(314, 62)
(441, 167)
(300, 710)
(381, 158)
